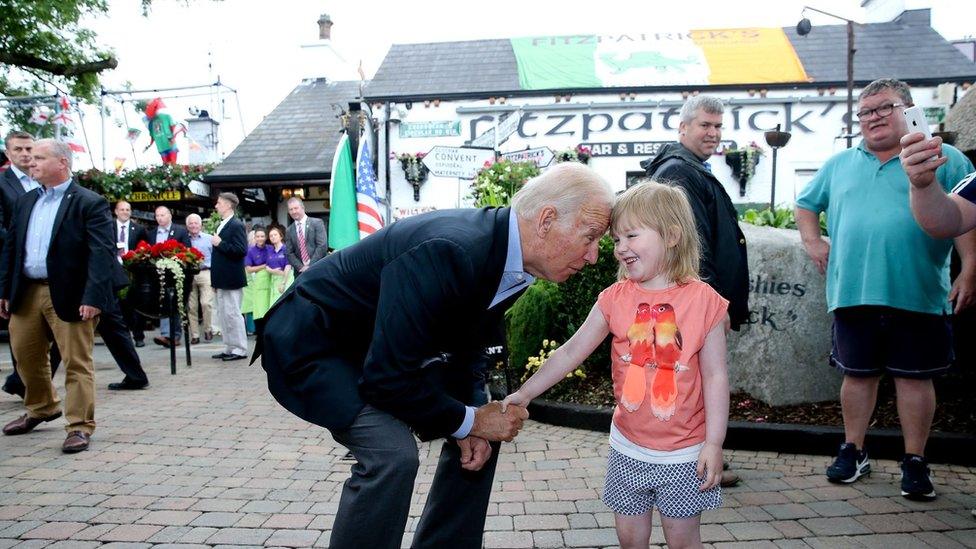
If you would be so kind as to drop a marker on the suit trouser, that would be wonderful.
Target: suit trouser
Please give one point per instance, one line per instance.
(133, 319)
(231, 320)
(375, 501)
(31, 331)
(201, 296)
(115, 333)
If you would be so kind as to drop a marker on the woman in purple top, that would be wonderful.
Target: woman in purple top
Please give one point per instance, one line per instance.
(277, 264)
(258, 278)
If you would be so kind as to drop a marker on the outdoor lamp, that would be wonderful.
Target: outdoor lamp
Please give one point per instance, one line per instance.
(803, 28)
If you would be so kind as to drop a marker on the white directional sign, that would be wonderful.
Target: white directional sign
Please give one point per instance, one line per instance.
(505, 128)
(541, 156)
(461, 162)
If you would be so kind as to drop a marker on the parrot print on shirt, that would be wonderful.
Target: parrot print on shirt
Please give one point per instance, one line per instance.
(655, 344)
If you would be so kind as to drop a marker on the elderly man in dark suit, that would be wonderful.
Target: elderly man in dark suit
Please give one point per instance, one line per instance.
(228, 279)
(307, 240)
(167, 230)
(383, 339)
(55, 279)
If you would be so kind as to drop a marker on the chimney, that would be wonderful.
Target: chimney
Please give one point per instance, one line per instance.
(325, 27)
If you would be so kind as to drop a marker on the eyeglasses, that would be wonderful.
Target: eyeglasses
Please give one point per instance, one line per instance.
(882, 111)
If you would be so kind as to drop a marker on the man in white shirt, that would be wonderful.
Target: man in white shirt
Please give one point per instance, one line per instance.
(128, 234)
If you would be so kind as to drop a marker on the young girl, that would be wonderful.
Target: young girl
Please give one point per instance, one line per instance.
(668, 364)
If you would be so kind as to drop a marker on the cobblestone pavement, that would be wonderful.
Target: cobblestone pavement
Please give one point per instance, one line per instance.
(207, 458)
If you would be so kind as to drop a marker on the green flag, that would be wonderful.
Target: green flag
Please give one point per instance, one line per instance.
(343, 220)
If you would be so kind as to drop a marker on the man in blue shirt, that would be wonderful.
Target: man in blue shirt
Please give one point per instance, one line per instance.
(887, 283)
(201, 293)
(56, 277)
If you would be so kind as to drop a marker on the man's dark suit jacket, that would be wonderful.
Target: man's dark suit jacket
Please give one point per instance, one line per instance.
(136, 233)
(227, 260)
(397, 321)
(316, 243)
(81, 258)
(10, 191)
(176, 232)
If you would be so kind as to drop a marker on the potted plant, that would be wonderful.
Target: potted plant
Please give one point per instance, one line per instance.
(158, 267)
(579, 153)
(743, 162)
(496, 183)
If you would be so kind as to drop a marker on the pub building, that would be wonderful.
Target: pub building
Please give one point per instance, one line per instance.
(620, 95)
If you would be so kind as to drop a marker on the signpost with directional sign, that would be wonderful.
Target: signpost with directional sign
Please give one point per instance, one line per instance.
(460, 162)
(540, 156)
(504, 129)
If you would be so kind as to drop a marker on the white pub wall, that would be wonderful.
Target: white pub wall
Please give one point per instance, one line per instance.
(612, 126)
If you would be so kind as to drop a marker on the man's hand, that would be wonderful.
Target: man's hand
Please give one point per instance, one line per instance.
(4, 308)
(474, 453)
(490, 423)
(215, 240)
(916, 157)
(819, 252)
(963, 291)
(88, 312)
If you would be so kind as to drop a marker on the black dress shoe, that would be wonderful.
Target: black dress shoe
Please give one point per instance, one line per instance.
(221, 356)
(126, 385)
(16, 389)
(140, 343)
(194, 341)
(231, 357)
(207, 336)
(162, 340)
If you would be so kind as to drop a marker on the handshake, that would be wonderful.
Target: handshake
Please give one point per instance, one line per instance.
(496, 421)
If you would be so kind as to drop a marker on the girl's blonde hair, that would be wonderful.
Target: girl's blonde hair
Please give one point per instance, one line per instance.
(665, 209)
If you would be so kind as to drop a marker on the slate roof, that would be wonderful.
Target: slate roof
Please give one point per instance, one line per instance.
(962, 119)
(296, 141)
(906, 48)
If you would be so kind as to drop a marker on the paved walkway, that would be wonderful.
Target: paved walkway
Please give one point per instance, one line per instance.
(207, 458)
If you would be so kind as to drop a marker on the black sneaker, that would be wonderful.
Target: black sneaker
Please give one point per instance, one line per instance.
(916, 482)
(850, 465)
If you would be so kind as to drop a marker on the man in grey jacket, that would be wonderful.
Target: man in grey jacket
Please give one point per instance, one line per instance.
(306, 240)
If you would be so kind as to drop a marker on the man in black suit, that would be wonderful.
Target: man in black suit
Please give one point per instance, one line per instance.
(228, 279)
(383, 339)
(128, 235)
(15, 181)
(306, 240)
(55, 279)
(167, 230)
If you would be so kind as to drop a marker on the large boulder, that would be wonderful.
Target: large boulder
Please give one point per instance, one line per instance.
(781, 356)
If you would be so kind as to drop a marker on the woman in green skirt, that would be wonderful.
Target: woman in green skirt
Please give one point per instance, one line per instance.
(258, 277)
(277, 265)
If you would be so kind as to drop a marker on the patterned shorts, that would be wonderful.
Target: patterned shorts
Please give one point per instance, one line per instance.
(634, 487)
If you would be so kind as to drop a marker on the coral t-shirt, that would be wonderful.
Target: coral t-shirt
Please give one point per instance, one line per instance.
(657, 335)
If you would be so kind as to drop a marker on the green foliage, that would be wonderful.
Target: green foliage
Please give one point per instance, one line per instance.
(211, 223)
(46, 41)
(152, 179)
(496, 184)
(529, 322)
(781, 218)
(548, 311)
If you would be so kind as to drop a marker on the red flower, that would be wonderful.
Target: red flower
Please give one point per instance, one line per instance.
(129, 255)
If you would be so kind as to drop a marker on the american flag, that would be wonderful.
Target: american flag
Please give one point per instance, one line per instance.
(367, 203)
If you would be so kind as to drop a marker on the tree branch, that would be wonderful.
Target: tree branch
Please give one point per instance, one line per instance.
(60, 69)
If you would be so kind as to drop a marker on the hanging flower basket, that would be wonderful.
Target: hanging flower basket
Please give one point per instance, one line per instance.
(579, 153)
(743, 163)
(414, 171)
(156, 268)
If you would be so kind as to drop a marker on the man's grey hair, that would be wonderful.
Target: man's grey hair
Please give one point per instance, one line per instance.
(566, 186)
(161, 207)
(882, 84)
(16, 134)
(58, 148)
(296, 200)
(711, 105)
(192, 217)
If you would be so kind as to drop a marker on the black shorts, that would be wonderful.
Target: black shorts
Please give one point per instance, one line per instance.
(872, 340)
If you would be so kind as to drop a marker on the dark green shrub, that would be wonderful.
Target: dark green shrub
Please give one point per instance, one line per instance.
(529, 322)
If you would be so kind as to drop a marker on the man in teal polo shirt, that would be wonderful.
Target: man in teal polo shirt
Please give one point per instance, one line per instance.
(887, 283)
